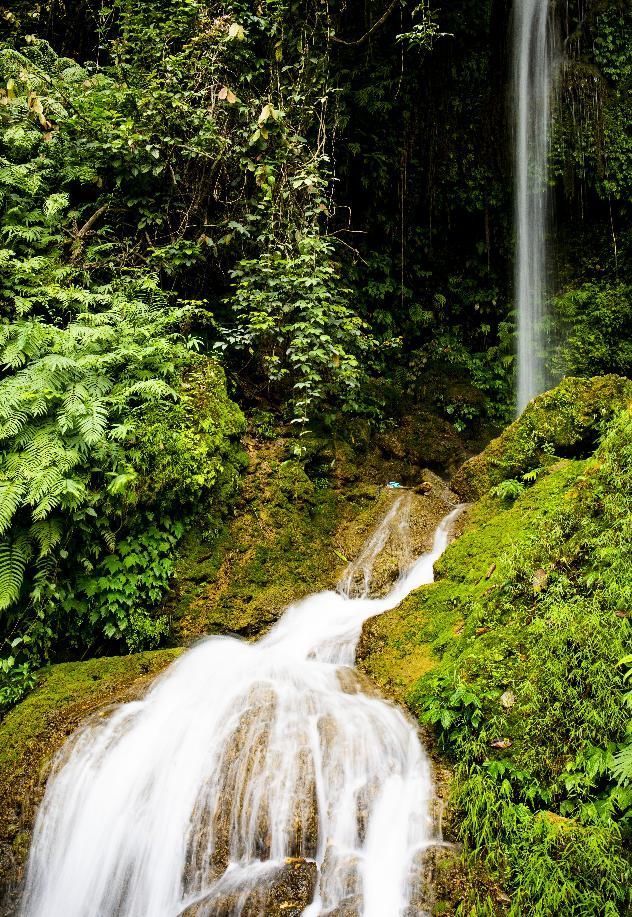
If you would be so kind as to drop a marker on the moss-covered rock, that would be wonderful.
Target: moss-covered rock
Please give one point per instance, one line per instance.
(297, 525)
(423, 440)
(279, 546)
(514, 656)
(565, 422)
(32, 733)
(398, 647)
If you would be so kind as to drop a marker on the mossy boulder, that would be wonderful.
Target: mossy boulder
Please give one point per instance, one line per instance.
(298, 523)
(35, 730)
(565, 422)
(399, 647)
(424, 440)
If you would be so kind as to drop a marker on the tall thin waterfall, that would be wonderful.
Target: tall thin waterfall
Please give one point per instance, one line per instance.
(245, 761)
(533, 85)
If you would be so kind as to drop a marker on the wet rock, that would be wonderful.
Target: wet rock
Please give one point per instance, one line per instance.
(567, 419)
(423, 878)
(284, 891)
(353, 682)
(341, 883)
(232, 824)
(423, 439)
(351, 908)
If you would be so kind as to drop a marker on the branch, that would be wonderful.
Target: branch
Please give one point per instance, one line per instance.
(367, 35)
(87, 226)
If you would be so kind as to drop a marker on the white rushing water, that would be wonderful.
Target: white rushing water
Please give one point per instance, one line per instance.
(534, 70)
(240, 756)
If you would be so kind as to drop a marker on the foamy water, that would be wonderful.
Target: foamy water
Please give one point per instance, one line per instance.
(240, 756)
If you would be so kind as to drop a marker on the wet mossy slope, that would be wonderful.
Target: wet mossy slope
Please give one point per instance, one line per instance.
(297, 523)
(401, 645)
(517, 659)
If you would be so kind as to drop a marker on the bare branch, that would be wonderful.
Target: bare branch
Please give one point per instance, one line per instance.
(367, 35)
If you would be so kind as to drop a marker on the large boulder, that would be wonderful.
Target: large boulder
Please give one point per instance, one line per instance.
(565, 422)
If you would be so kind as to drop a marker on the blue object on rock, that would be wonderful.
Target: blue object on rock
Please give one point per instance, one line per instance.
(393, 484)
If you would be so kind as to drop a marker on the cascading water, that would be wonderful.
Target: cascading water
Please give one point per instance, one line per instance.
(534, 67)
(241, 756)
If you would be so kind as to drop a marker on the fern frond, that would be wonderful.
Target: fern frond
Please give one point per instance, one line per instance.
(622, 769)
(93, 424)
(14, 556)
(47, 534)
(11, 494)
(149, 390)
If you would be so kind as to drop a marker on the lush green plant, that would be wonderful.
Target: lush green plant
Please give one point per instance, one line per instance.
(64, 409)
(107, 412)
(294, 316)
(593, 323)
(507, 490)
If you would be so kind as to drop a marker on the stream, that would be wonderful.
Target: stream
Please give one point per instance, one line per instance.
(248, 770)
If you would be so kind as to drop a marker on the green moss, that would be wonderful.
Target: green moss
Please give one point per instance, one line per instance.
(396, 648)
(513, 656)
(565, 422)
(494, 530)
(401, 645)
(67, 684)
(280, 546)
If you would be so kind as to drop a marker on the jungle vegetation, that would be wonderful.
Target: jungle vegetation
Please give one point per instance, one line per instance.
(296, 215)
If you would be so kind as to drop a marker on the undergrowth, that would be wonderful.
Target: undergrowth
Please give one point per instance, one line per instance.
(530, 698)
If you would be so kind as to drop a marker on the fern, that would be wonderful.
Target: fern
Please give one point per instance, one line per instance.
(64, 401)
(11, 494)
(47, 535)
(14, 556)
(622, 769)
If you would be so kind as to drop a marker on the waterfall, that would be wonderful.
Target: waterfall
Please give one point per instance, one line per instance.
(533, 85)
(242, 762)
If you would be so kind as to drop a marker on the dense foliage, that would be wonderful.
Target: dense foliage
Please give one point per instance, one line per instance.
(112, 427)
(305, 208)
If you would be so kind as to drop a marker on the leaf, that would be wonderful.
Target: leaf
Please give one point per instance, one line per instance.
(121, 482)
(236, 32)
(13, 559)
(266, 113)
